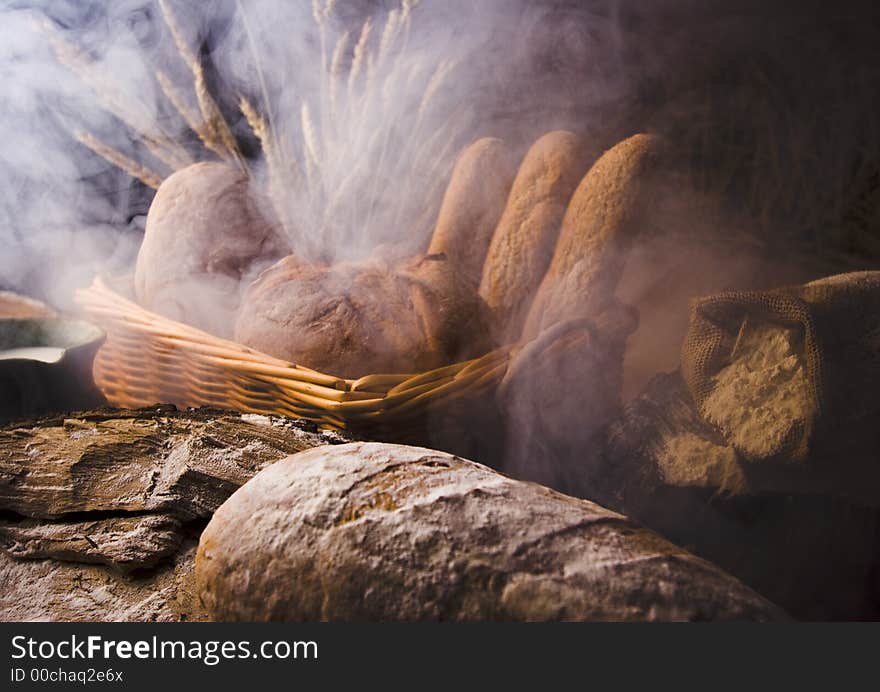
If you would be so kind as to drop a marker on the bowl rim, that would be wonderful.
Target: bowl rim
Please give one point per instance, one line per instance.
(81, 333)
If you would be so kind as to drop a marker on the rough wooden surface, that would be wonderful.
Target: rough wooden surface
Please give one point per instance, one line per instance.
(368, 531)
(100, 511)
(150, 460)
(126, 543)
(49, 590)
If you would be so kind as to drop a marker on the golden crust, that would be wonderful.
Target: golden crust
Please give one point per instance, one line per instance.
(522, 246)
(472, 205)
(602, 219)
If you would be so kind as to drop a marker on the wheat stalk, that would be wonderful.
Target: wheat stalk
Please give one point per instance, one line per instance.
(404, 25)
(339, 54)
(277, 178)
(120, 160)
(335, 73)
(192, 118)
(261, 129)
(388, 35)
(310, 138)
(333, 183)
(271, 132)
(321, 14)
(227, 147)
(268, 142)
(215, 132)
(357, 62)
(438, 79)
(160, 145)
(177, 34)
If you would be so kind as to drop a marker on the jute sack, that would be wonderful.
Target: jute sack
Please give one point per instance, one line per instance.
(807, 359)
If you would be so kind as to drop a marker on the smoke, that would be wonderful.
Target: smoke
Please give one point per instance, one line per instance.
(60, 209)
(773, 114)
(376, 171)
(363, 143)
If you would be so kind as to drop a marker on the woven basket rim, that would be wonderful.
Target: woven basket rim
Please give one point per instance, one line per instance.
(311, 393)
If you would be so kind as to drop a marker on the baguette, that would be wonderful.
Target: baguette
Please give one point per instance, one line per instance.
(522, 246)
(472, 206)
(600, 224)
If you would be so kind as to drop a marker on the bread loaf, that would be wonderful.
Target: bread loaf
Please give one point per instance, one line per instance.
(15, 306)
(472, 206)
(523, 243)
(601, 221)
(388, 533)
(205, 238)
(357, 318)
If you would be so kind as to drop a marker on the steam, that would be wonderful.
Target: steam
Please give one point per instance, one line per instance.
(358, 149)
(60, 209)
(350, 115)
(510, 68)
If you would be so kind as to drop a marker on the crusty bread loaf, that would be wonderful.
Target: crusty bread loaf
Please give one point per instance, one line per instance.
(205, 238)
(353, 319)
(523, 243)
(15, 306)
(602, 219)
(472, 206)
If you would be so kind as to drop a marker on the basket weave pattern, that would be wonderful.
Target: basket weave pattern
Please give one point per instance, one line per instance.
(149, 359)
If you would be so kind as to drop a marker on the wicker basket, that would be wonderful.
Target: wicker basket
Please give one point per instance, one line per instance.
(149, 359)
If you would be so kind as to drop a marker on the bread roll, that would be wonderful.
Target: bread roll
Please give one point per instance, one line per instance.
(523, 243)
(205, 237)
(472, 206)
(354, 319)
(604, 215)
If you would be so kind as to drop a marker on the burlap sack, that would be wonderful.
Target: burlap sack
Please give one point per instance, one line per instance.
(838, 319)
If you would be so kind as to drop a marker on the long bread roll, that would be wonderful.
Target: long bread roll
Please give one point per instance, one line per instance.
(522, 246)
(472, 206)
(602, 219)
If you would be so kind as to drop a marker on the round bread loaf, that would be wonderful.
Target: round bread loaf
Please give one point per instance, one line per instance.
(205, 240)
(357, 318)
(523, 243)
(472, 205)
